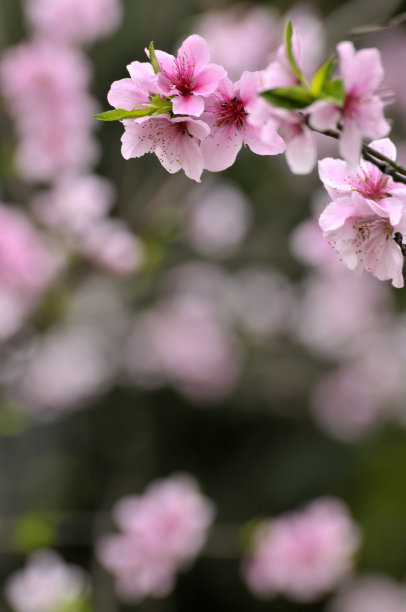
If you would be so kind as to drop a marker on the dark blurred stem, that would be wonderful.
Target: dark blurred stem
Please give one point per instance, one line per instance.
(385, 164)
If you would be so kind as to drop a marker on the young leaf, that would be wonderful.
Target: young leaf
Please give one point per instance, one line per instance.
(118, 114)
(152, 58)
(289, 53)
(291, 98)
(334, 92)
(322, 76)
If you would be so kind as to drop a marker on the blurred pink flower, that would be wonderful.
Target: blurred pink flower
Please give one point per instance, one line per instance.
(47, 584)
(240, 37)
(189, 77)
(182, 342)
(26, 264)
(370, 593)
(217, 219)
(40, 80)
(227, 112)
(111, 245)
(362, 114)
(162, 532)
(175, 142)
(73, 21)
(303, 554)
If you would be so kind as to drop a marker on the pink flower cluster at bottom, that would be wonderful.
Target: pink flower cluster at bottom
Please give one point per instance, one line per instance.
(303, 554)
(162, 531)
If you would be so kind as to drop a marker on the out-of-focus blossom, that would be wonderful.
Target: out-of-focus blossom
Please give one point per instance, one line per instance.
(218, 218)
(65, 369)
(75, 203)
(40, 80)
(262, 302)
(240, 37)
(175, 142)
(189, 77)
(73, 21)
(370, 593)
(228, 114)
(26, 264)
(303, 554)
(362, 113)
(366, 212)
(180, 341)
(47, 584)
(162, 532)
(111, 245)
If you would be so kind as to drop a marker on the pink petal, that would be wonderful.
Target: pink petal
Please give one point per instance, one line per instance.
(164, 84)
(368, 71)
(350, 143)
(199, 129)
(335, 176)
(301, 152)
(248, 86)
(208, 79)
(220, 148)
(323, 115)
(255, 138)
(335, 214)
(192, 159)
(389, 265)
(346, 53)
(196, 49)
(138, 138)
(371, 119)
(188, 105)
(143, 74)
(393, 208)
(384, 146)
(165, 60)
(126, 94)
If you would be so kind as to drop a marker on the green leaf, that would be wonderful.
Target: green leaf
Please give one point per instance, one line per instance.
(152, 58)
(120, 113)
(289, 53)
(291, 98)
(334, 92)
(322, 76)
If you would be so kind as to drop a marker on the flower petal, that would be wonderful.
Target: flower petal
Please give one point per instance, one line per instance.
(350, 143)
(188, 105)
(301, 152)
(196, 49)
(220, 148)
(208, 79)
(335, 214)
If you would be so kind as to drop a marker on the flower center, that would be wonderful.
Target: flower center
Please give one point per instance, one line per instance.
(182, 76)
(373, 184)
(231, 111)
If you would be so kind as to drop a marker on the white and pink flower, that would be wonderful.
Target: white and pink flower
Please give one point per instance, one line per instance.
(362, 113)
(367, 210)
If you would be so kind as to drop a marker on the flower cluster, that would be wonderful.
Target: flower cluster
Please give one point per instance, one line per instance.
(186, 111)
(162, 532)
(303, 554)
(367, 216)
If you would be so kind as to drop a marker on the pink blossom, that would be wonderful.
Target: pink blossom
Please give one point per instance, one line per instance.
(74, 21)
(111, 245)
(227, 112)
(175, 141)
(189, 77)
(217, 219)
(366, 211)
(26, 264)
(370, 593)
(182, 342)
(303, 554)
(47, 584)
(301, 152)
(362, 114)
(256, 28)
(162, 531)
